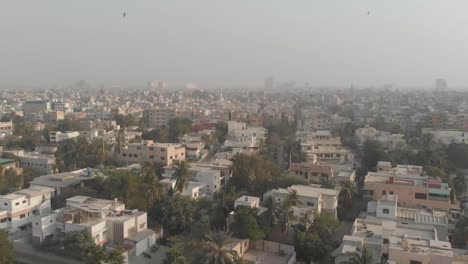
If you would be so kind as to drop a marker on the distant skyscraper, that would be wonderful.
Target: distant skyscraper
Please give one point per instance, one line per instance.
(269, 83)
(441, 84)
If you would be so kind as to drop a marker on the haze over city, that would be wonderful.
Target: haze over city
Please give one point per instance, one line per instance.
(234, 43)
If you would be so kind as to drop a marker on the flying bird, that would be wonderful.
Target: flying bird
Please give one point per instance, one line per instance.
(124, 14)
(368, 12)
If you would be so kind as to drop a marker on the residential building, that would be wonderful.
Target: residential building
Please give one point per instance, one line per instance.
(6, 129)
(10, 164)
(62, 107)
(249, 201)
(150, 151)
(41, 163)
(65, 182)
(57, 136)
(314, 199)
(32, 108)
(408, 182)
(107, 221)
(263, 252)
(388, 140)
(447, 136)
(18, 208)
(311, 172)
(398, 235)
(159, 117)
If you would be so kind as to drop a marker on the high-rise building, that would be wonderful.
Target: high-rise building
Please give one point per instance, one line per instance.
(159, 117)
(441, 84)
(269, 83)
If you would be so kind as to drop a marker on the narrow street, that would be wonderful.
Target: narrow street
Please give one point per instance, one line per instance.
(26, 254)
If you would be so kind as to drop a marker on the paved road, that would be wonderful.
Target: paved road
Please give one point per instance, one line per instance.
(210, 154)
(26, 254)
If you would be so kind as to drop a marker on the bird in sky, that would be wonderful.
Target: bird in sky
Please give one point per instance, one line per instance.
(124, 14)
(368, 12)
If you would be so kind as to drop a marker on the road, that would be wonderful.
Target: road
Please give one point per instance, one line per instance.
(26, 254)
(210, 154)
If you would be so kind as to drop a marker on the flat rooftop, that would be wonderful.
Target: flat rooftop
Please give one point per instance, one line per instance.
(265, 257)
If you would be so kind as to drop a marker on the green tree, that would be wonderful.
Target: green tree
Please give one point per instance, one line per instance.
(115, 257)
(221, 131)
(94, 254)
(459, 183)
(458, 155)
(216, 246)
(76, 244)
(246, 224)
(174, 256)
(13, 179)
(179, 127)
(7, 255)
(176, 214)
(372, 152)
(152, 187)
(120, 140)
(364, 258)
(182, 176)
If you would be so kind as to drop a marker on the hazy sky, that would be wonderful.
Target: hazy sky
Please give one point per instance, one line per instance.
(234, 42)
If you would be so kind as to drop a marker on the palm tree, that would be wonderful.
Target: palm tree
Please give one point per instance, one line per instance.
(120, 140)
(272, 210)
(152, 187)
(348, 190)
(356, 258)
(182, 176)
(293, 199)
(148, 171)
(216, 246)
(285, 219)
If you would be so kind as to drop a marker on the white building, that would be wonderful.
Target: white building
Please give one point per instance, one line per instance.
(18, 208)
(389, 141)
(6, 128)
(106, 220)
(399, 235)
(65, 181)
(42, 163)
(310, 198)
(447, 136)
(57, 136)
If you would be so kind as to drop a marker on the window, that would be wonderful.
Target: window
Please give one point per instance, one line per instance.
(415, 262)
(3, 220)
(22, 216)
(384, 192)
(385, 211)
(170, 157)
(124, 155)
(421, 196)
(385, 241)
(151, 157)
(139, 148)
(5, 204)
(151, 148)
(391, 192)
(163, 158)
(314, 174)
(135, 155)
(16, 203)
(310, 204)
(163, 150)
(142, 225)
(24, 201)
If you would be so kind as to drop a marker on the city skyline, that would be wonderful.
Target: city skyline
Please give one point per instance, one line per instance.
(318, 42)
